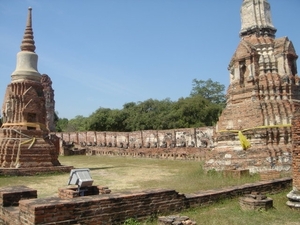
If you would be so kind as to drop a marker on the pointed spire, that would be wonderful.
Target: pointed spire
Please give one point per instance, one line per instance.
(256, 18)
(27, 59)
(28, 42)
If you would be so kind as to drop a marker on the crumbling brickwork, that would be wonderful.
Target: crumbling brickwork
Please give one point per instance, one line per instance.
(263, 94)
(24, 131)
(49, 101)
(114, 208)
(28, 114)
(189, 143)
(296, 151)
(294, 194)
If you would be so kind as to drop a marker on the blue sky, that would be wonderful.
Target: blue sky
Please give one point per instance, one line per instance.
(105, 53)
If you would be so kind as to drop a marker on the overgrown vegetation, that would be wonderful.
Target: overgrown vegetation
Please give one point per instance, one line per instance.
(201, 108)
(131, 221)
(120, 173)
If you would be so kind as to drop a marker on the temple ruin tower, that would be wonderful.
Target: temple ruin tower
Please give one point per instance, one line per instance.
(24, 136)
(254, 130)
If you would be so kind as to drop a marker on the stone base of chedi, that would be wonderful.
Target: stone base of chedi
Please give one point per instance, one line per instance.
(294, 199)
(28, 152)
(255, 201)
(26, 148)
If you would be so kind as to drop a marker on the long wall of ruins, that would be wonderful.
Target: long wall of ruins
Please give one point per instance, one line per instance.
(189, 143)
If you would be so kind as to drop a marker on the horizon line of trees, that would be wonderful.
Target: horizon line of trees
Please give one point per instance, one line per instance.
(202, 108)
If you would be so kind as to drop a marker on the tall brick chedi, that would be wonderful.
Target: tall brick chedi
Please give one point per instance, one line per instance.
(24, 136)
(254, 130)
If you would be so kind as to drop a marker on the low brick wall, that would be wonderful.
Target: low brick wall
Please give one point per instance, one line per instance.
(236, 173)
(32, 171)
(116, 208)
(269, 175)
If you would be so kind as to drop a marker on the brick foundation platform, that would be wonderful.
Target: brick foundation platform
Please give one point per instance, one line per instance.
(236, 173)
(269, 175)
(19, 205)
(34, 170)
(255, 201)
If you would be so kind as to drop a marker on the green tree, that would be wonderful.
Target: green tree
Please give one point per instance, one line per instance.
(147, 115)
(211, 90)
(61, 125)
(105, 119)
(191, 111)
(201, 108)
(79, 123)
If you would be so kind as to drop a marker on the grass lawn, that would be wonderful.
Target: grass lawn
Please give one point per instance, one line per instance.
(122, 174)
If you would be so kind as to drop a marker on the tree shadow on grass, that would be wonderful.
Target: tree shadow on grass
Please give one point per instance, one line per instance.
(105, 167)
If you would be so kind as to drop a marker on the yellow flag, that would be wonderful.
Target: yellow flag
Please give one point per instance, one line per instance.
(244, 142)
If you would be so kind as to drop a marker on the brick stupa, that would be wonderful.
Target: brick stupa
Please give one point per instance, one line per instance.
(24, 135)
(254, 129)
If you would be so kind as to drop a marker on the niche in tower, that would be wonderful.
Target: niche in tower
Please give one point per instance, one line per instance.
(31, 118)
(242, 66)
(292, 64)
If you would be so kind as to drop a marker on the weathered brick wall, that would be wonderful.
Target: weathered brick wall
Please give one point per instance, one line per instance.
(33, 171)
(271, 147)
(67, 193)
(188, 137)
(269, 175)
(100, 209)
(205, 198)
(70, 137)
(81, 137)
(296, 150)
(190, 143)
(90, 137)
(186, 153)
(135, 139)
(116, 208)
(49, 101)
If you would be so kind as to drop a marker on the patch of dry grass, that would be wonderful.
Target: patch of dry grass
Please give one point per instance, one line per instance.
(120, 174)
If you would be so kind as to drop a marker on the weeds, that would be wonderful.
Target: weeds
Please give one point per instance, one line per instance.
(131, 221)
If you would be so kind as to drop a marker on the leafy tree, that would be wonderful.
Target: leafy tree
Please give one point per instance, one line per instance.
(194, 112)
(201, 108)
(79, 123)
(148, 115)
(61, 125)
(105, 119)
(210, 90)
